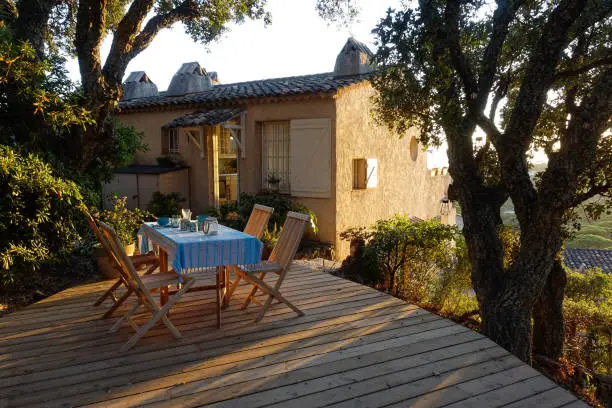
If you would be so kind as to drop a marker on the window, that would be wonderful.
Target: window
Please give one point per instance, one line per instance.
(365, 173)
(227, 144)
(173, 141)
(414, 148)
(276, 156)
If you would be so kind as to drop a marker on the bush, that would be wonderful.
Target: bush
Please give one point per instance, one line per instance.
(126, 222)
(453, 294)
(40, 216)
(281, 204)
(406, 255)
(587, 310)
(165, 205)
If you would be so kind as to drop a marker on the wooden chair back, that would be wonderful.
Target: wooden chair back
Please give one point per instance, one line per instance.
(125, 263)
(289, 239)
(98, 234)
(258, 220)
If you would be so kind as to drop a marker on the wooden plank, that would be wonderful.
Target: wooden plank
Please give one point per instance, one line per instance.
(222, 352)
(263, 374)
(319, 378)
(510, 393)
(183, 314)
(387, 388)
(243, 322)
(556, 397)
(144, 377)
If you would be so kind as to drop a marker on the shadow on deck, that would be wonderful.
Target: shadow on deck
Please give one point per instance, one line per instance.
(355, 347)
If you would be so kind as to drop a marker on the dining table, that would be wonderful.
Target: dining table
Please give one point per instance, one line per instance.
(194, 251)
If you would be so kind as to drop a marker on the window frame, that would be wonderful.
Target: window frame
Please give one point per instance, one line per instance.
(173, 133)
(284, 188)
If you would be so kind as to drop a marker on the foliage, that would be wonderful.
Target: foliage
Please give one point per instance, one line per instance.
(452, 294)
(281, 204)
(128, 142)
(36, 98)
(406, 255)
(270, 236)
(587, 310)
(126, 222)
(40, 215)
(165, 205)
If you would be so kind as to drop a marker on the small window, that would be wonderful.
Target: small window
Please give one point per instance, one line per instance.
(414, 148)
(173, 141)
(365, 173)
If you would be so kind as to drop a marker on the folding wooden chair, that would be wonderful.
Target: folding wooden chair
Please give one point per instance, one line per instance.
(150, 261)
(279, 263)
(142, 286)
(256, 225)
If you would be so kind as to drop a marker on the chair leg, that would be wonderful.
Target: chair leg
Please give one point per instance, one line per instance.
(117, 304)
(232, 287)
(218, 290)
(127, 316)
(159, 314)
(262, 275)
(108, 293)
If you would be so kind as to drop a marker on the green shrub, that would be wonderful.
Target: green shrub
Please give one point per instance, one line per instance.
(165, 205)
(126, 222)
(40, 216)
(281, 204)
(587, 310)
(453, 294)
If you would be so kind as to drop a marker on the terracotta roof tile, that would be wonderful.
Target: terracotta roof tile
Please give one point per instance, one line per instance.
(576, 258)
(224, 93)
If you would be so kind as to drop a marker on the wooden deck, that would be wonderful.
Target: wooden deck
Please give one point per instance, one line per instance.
(355, 347)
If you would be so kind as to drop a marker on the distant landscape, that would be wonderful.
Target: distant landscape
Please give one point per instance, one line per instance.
(592, 234)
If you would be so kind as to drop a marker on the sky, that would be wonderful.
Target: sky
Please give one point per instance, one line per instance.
(297, 42)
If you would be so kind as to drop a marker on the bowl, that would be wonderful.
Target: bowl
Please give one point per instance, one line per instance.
(163, 221)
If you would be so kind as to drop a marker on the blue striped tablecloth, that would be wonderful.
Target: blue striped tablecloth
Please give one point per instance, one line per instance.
(195, 250)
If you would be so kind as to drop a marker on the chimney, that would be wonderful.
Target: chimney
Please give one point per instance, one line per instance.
(138, 85)
(354, 59)
(190, 78)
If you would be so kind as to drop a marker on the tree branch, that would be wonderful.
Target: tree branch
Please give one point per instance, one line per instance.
(579, 143)
(539, 75)
(91, 19)
(459, 61)
(503, 15)
(187, 10)
(596, 63)
(123, 38)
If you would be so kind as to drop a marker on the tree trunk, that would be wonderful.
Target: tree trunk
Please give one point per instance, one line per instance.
(548, 328)
(507, 321)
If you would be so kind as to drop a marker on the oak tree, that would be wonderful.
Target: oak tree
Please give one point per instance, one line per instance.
(525, 75)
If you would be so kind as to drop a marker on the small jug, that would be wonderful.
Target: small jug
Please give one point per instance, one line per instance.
(211, 226)
(186, 213)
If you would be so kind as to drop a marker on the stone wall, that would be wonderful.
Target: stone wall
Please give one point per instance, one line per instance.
(405, 186)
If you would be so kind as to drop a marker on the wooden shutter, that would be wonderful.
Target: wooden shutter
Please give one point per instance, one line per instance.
(311, 157)
(165, 142)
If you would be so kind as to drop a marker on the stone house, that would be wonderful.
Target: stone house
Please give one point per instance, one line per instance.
(311, 137)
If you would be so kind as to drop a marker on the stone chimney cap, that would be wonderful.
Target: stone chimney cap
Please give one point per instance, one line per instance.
(190, 78)
(138, 85)
(355, 58)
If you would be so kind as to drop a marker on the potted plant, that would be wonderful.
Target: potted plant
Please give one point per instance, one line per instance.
(274, 182)
(126, 223)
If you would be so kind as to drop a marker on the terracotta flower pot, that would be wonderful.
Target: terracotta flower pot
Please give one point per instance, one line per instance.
(105, 266)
